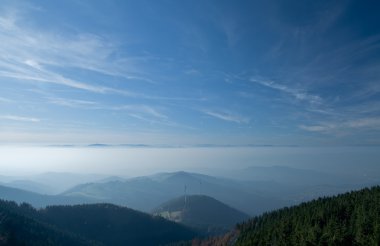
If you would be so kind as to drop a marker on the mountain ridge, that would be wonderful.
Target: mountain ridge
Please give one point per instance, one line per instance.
(147, 192)
(202, 212)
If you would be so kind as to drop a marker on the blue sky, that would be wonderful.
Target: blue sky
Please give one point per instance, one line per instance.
(190, 72)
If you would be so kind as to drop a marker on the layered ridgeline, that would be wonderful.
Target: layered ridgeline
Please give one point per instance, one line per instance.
(98, 224)
(252, 190)
(39, 200)
(50, 183)
(201, 212)
(146, 193)
(348, 219)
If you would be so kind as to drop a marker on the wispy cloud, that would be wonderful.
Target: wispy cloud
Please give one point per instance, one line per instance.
(74, 103)
(226, 116)
(29, 54)
(83, 50)
(151, 115)
(364, 123)
(44, 76)
(192, 71)
(364, 108)
(146, 109)
(314, 128)
(132, 108)
(299, 94)
(141, 112)
(19, 118)
(142, 109)
(348, 126)
(5, 100)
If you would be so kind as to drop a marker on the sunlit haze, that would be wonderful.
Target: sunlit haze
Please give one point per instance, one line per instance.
(131, 161)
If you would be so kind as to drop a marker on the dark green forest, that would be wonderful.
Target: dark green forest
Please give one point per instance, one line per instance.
(18, 226)
(98, 224)
(348, 219)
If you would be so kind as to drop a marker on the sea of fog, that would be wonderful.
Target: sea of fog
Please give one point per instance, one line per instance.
(135, 161)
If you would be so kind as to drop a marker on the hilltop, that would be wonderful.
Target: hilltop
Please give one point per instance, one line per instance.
(202, 212)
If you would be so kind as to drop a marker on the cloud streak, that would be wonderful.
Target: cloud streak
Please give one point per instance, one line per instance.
(19, 118)
(145, 109)
(5, 100)
(143, 112)
(83, 50)
(227, 116)
(296, 93)
(84, 104)
(370, 123)
(73, 103)
(31, 55)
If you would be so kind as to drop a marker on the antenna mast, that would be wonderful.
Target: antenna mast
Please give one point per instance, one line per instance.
(185, 196)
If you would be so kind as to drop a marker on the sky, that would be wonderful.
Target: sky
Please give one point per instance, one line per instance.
(194, 72)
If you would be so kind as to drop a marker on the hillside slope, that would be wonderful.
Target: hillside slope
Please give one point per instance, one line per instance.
(348, 219)
(201, 212)
(114, 225)
(17, 228)
(97, 224)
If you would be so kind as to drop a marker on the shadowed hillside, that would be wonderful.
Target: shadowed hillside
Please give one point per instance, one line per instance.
(98, 224)
(201, 212)
(19, 226)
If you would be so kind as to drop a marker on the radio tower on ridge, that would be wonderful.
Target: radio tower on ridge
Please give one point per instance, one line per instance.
(185, 197)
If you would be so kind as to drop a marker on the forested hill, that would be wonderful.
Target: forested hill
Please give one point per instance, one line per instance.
(18, 227)
(348, 219)
(97, 224)
(201, 212)
(115, 225)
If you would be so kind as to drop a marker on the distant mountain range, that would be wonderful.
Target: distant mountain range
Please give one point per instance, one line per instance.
(201, 212)
(328, 174)
(50, 183)
(287, 175)
(146, 193)
(141, 193)
(212, 205)
(39, 200)
(252, 190)
(137, 145)
(29, 185)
